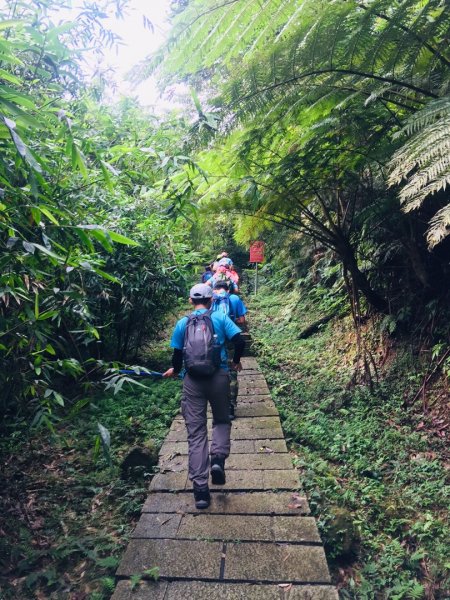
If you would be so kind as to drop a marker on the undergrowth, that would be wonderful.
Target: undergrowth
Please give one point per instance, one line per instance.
(68, 512)
(374, 467)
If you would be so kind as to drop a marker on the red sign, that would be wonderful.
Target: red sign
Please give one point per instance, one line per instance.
(257, 252)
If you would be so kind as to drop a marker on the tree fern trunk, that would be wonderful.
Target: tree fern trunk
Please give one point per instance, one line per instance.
(362, 283)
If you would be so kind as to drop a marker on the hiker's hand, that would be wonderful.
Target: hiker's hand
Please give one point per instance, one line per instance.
(236, 367)
(169, 373)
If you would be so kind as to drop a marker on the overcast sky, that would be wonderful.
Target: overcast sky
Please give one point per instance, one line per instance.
(139, 42)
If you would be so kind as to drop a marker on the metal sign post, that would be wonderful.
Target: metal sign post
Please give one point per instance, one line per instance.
(256, 256)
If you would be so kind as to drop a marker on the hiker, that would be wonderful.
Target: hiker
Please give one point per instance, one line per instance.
(223, 256)
(228, 303)
(199, 340)
(233, 275)
(232, 306)
(225, 260)
(222, 274)
(207, 273)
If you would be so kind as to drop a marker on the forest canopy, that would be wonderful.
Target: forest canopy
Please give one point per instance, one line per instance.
(321, 127)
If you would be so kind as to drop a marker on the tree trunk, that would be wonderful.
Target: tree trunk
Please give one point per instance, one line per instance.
(362, 283)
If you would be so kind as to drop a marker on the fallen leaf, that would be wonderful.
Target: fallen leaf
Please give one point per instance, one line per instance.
(285, 586)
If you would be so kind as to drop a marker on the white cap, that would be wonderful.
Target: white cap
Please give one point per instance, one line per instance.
(201, 290)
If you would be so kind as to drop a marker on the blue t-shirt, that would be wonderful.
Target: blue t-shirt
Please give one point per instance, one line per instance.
(238, 308)
(224, 328)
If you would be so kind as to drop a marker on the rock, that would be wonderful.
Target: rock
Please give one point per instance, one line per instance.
(341, 534)
(138, 459)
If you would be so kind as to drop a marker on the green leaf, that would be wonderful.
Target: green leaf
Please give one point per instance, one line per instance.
(85, 239)
(36, 306)
(58, 398)
(134, 581)
(121, 239)
(107, 562)
(10, 23)
(49, 252)
(196, 100)
(44, 210)
(47, 315)
(78, 160)
(36, 214)
(106, 275)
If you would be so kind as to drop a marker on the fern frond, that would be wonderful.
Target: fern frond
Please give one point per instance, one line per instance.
(439, 226)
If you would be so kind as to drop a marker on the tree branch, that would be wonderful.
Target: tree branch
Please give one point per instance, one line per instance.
(344, 72)
(428, 46)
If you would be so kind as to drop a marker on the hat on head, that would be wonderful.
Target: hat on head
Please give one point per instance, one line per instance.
(201, 290)
(225, 262)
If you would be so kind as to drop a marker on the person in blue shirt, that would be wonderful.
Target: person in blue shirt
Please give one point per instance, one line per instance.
(207, 273)
(236, 310)
(198, 391)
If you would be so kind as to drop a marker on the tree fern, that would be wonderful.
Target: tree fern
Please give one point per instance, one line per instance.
(424, 162)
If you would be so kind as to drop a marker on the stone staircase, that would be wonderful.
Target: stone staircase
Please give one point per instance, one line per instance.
(256, 541)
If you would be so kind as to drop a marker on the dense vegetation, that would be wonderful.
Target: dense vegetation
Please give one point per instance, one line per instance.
(319, 126)
(80, 181)
(373, 462)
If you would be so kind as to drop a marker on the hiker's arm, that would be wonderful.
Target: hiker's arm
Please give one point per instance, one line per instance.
(177, 363)
(239, 345)
(177, 360)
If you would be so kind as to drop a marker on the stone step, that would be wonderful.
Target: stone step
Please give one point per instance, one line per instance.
(246, 377)
(219, 590)
(236, 480)
(260, 422)
(262, 446)
(260, 409)
(254, 399)
(264, 503)
(250, 433)
(262, 461)
(249, 363)
(251, 561)
(256, 390)
(243, 528)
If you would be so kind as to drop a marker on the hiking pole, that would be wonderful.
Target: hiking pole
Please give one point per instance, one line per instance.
(141, 374)
(154, 374)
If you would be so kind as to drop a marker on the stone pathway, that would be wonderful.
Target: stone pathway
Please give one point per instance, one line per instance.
(255, 542)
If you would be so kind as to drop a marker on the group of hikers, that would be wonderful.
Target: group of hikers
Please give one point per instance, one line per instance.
(200, 343)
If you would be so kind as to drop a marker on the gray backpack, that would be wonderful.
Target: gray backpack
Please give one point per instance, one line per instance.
(201, 351)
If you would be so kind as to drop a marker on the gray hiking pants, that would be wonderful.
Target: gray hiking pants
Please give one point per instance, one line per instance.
(196, 395)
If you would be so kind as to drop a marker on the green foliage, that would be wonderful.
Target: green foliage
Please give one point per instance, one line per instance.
(310, 99)
(79, 182)
(79, 511)
(424, 161)
(375, 477)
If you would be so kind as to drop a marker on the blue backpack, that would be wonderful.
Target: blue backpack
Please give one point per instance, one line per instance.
(221, 303)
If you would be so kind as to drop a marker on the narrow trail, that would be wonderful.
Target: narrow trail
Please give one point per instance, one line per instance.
(256, 541)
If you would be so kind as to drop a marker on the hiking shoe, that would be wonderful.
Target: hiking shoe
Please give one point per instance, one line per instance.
(202, 498)
(232, 414)
(217, 470)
